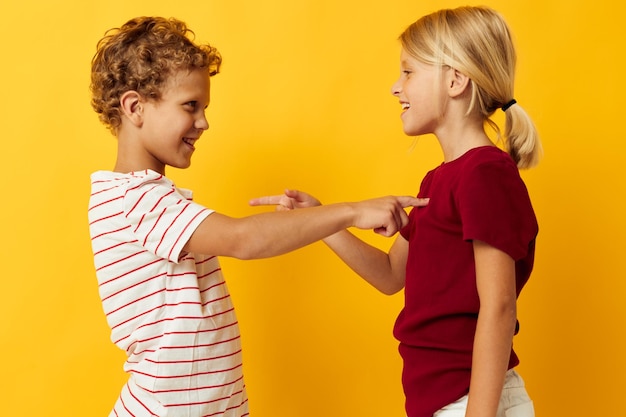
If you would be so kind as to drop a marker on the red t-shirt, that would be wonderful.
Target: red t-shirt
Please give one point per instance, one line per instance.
(480, 196)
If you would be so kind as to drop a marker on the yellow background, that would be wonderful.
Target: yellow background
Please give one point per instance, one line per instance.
(303, 101)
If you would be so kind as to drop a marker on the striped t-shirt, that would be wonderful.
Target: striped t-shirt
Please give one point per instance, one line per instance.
(170, 311)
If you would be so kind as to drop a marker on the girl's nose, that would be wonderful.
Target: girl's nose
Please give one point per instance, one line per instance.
(395, 88)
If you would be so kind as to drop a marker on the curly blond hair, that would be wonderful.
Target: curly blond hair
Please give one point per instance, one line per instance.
(140, 56)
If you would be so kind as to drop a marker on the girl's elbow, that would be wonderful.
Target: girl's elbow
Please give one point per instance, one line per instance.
(502, 312)
(389, 291)
(390, 288)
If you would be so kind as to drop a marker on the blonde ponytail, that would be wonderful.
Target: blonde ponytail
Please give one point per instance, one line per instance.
(521, 137)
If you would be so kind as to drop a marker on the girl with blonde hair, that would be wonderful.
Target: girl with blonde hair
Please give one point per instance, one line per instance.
(464, 258)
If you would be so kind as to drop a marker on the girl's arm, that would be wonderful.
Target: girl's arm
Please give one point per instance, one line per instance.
(384, 271)
(270, 234)
(495, 281)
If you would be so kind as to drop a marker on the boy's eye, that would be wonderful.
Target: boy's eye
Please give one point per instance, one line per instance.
(191, 104)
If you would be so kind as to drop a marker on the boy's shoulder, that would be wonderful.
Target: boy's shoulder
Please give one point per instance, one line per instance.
(134, 185)
(145, 175)
(109, 179)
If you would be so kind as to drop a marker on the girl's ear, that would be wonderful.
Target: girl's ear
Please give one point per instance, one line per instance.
(131, 105)
(457, 82)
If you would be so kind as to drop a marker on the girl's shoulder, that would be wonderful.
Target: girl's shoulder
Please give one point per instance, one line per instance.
(491, 157)
(486, 159)
(486, 154)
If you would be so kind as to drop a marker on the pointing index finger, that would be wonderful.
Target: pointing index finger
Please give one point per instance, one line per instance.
(407, 201)
(265, 201)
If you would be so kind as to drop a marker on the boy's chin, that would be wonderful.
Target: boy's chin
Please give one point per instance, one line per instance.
(182, 165)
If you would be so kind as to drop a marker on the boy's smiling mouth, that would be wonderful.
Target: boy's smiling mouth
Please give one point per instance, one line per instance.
(190, 142)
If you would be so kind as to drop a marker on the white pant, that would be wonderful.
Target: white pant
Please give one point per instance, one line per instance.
(514, 401)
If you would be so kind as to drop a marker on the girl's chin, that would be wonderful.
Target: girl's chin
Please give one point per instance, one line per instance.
(413, 130)
(410, 132)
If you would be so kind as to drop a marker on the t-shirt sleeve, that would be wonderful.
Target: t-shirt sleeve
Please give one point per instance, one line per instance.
(161, 218)
(495, 207)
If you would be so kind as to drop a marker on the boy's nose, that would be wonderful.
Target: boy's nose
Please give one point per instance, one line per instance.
(202, 123)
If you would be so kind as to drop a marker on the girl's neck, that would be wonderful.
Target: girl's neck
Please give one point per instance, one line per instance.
(457, 140)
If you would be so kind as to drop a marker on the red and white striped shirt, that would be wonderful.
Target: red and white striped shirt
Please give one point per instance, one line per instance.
(169, 311)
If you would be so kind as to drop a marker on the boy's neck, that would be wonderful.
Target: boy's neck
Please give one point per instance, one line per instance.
(124, 168)
(133, 158)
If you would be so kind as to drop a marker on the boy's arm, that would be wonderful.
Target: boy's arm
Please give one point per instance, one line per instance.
(270, 234)
(495, 281)
(385, 271)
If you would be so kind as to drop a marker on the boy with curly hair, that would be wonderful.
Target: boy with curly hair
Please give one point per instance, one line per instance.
(155, 250)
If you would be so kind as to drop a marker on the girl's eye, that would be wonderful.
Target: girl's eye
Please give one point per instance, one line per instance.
(191, 104)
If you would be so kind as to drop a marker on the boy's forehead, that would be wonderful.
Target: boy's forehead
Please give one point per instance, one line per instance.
(187, 81)
(183, 74)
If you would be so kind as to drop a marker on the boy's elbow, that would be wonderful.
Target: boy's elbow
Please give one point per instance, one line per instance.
(245, 253)
(242, 247)
(246, 243)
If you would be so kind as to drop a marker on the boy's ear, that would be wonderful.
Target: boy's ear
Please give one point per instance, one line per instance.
(457, 82)
(131, 105)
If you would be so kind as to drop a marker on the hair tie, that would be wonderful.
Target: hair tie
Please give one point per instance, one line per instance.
(509, 104)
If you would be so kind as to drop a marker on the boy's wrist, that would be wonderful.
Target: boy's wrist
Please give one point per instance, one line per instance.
(352, 210)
